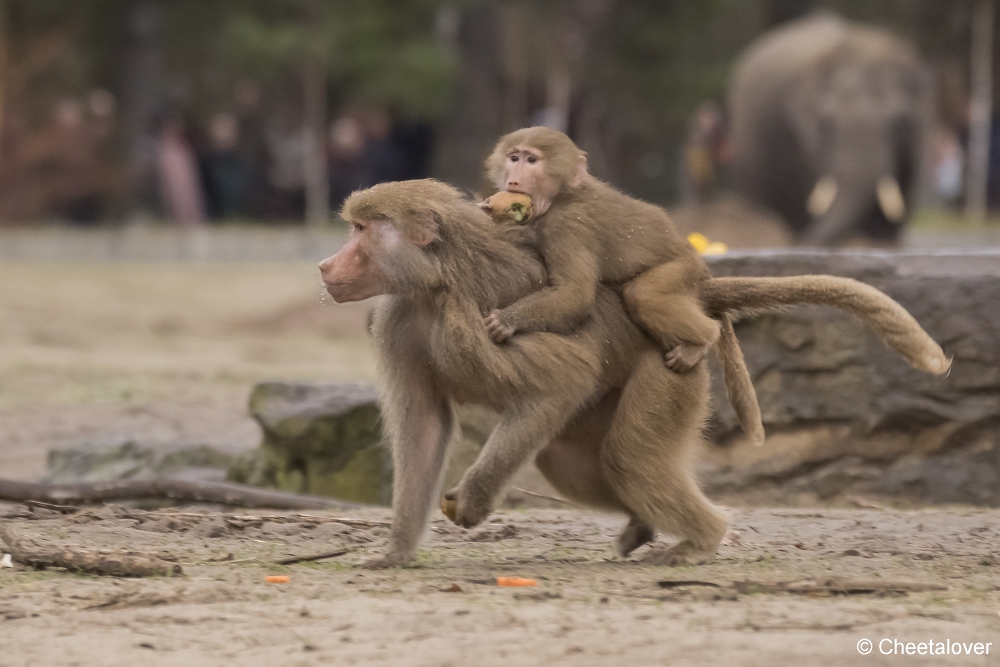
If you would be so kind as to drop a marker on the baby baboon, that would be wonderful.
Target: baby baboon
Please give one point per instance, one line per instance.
(616, 429)
(588, 233)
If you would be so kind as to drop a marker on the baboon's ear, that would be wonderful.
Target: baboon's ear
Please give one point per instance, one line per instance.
(425, 231)
(581, 172)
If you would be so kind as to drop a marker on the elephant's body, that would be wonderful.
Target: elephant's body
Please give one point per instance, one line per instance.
(824, 99)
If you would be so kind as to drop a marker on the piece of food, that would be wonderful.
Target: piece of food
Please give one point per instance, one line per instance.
(277, 579)
(509, 207)
(516, 581)
(706, 247)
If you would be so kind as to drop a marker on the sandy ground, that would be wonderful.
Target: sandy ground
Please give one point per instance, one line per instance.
(589, 608)
(159, 352)
(169, 352)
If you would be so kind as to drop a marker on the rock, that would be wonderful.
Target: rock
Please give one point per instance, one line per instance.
(326, 439)
(318, 439)
(130, 459)
(846, 415)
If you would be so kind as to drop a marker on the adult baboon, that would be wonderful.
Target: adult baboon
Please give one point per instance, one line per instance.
(616, 429)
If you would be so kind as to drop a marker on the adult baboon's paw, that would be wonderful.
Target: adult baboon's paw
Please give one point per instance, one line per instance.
(634, 536)
(683, 358)
(685, 553)
(466, 510)
(497, 330)
(386, 561)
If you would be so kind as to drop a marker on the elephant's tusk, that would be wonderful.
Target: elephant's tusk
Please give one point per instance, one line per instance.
(890, 199)
(822, 196)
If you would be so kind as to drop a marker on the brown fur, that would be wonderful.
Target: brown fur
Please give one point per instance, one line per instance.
(893, 324)
(590, 233)
(615, 427)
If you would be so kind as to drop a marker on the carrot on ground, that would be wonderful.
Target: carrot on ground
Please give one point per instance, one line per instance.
(516, 581)
(277, 579)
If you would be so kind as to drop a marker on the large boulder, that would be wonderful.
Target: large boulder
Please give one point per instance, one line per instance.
(326, 439)
(318, 439)
(845, 415)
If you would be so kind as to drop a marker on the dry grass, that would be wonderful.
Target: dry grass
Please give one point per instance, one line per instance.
(166, 351)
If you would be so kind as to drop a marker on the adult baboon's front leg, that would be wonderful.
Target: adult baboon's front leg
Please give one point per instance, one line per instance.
(421, 429)
(521, 433)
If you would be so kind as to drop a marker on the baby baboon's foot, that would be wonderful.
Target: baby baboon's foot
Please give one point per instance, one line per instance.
(683, 358)
(685, 553)
(636, 534)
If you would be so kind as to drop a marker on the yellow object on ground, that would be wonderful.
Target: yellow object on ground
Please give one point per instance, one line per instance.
(706, 247)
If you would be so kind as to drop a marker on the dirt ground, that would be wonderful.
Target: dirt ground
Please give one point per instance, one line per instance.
(169, 352)
(589, 607)
(159, 352)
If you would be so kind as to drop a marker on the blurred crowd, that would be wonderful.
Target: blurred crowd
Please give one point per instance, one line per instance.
(239, 163)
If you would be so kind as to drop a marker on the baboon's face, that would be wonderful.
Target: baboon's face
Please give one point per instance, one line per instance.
(351, 274)
(525, 171)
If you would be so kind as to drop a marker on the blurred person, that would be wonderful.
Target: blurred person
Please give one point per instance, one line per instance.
(225, 170)
(415, 142)
(949, 159)
(381, 158)
(706, 151)
(177, 173)
(346, 142)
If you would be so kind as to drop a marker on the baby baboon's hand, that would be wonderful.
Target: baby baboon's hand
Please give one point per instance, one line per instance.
(497, 330)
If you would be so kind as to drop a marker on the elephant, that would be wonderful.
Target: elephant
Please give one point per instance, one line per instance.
(829, 123)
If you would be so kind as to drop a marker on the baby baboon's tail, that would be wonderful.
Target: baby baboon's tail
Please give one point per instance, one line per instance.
(739, 384)
(893, 324)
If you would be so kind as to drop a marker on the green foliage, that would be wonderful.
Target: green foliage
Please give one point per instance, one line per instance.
(379, 51)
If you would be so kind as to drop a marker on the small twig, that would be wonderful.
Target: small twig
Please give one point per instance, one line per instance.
(309, 559)
(866, 504)
(541, 495)
(63, 509)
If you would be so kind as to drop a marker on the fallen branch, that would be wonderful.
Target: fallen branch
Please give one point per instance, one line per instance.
(829, 587)
(81, 560)
(221, 493)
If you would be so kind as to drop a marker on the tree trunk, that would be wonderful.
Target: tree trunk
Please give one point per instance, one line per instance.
(980, 109)
(3, 69)
(314, 167)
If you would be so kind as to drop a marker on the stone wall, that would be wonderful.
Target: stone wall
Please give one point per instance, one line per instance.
(845, 415)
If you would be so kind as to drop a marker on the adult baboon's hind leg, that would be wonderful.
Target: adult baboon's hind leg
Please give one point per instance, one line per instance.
(572, 465)
(648, 459)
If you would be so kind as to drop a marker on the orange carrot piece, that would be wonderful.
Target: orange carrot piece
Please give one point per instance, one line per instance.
(516, 581)
(277, 579)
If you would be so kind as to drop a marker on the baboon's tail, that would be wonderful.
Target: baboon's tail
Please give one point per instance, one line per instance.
(893, 324)
(739, 384)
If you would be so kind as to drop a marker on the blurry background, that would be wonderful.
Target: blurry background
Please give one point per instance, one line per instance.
(170, 170)
(114, 112)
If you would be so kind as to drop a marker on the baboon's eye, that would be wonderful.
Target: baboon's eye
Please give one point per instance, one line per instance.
(358, 227)
(513, 158)
(532, 159)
